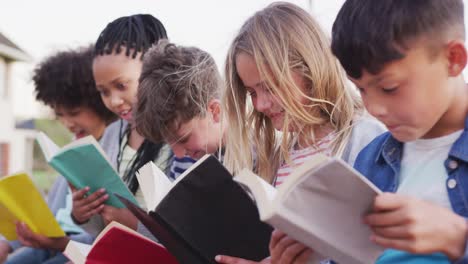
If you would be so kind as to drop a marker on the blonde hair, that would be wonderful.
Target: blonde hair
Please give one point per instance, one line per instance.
(283, 38)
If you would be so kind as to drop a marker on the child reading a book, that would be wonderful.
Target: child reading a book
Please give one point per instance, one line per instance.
(64, 81)
(179, 100)
(408, 68)
(280, 61)
(116, 67)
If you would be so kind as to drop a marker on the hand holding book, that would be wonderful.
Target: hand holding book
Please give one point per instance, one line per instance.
(21, 201)
(84, 164)
(84, 207)
(30, 239)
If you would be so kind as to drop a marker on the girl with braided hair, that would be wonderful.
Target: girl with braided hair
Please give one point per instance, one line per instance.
(117, 66)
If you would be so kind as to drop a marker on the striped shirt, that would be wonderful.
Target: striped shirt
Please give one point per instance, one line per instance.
(179, 165)
(298, 157)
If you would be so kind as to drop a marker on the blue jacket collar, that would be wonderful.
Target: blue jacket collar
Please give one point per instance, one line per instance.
(391, 149)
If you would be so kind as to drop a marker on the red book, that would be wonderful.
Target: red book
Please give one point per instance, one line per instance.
(118, 244)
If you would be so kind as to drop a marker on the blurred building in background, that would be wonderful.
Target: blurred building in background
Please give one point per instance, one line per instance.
(16, 145)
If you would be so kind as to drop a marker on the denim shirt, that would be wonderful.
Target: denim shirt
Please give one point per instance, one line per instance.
(380, 163)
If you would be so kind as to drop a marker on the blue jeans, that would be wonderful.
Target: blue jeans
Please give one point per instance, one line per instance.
(27, 255)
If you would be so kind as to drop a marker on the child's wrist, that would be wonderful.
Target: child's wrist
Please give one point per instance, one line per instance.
(457, 248)
(76, 221)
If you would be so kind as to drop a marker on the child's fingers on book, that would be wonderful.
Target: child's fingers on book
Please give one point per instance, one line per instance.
(401, 244)
(72, 187)
(96, 198)
(93, 212)
(80, 194)
(304, 256)
(383, 219)
(232, 260)
(389, 201)
(396, 232)
(276, 236)
(282, 247)
(290, 254)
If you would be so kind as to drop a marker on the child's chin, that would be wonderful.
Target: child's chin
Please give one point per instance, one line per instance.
(405, 137)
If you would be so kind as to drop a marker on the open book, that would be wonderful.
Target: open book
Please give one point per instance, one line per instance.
(321, 204)
(118, 244)
(154, 184)
(203, 213)
(84, 163)
(20, 200)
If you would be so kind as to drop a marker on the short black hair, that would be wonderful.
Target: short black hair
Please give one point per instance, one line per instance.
(367, 34)
(65, 79)
(136, 33)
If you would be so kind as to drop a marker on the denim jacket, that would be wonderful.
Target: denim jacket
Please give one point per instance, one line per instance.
(380, 163)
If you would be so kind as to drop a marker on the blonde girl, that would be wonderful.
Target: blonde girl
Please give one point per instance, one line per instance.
(287, 98)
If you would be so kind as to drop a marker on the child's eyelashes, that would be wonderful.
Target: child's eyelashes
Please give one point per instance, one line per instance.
(121, 86)
(75, 113)
(103, 93)
(251, 93)
(389, 90)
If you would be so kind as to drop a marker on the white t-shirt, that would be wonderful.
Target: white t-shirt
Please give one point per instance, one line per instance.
(423, 174)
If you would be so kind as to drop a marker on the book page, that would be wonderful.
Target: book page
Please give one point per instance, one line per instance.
(48, 147)
(113, 225)
(88, 140)
(154, 184)
(77, 252)
(328, 205)
(263, 193)
(187, 172)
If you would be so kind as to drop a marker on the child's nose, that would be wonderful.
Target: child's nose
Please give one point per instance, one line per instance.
(116, 101)
(179, 151)
(263, 104)
(377, 109)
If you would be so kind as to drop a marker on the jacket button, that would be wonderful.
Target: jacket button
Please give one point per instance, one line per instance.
(452, 183)
(453, 164)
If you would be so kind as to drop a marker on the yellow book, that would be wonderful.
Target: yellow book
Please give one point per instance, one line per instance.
(20, 200)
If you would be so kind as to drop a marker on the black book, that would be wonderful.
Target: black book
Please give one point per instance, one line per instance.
(206, 213)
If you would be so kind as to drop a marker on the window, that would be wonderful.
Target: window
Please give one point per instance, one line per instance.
(4, 158)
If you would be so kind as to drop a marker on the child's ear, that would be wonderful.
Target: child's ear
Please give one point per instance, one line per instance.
(214, 107)
(457, 58)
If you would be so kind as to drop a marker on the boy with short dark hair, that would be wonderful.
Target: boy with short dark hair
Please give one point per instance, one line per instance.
(407, 58)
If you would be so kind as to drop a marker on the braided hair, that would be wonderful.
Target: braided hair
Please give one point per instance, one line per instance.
(135, 34)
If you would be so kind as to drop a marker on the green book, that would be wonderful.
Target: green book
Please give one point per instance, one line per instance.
(84, 163)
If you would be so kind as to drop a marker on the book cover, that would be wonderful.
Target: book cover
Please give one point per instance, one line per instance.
(321, 204)
(118, 244)
(206, 214)
(20, 200)
(84, 163)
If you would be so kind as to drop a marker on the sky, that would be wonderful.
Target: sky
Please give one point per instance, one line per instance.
(47, 26)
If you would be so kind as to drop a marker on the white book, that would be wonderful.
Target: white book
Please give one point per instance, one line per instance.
(321, 204)
(155, 184)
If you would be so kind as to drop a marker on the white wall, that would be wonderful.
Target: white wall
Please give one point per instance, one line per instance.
(21, 151)
(6, 108)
